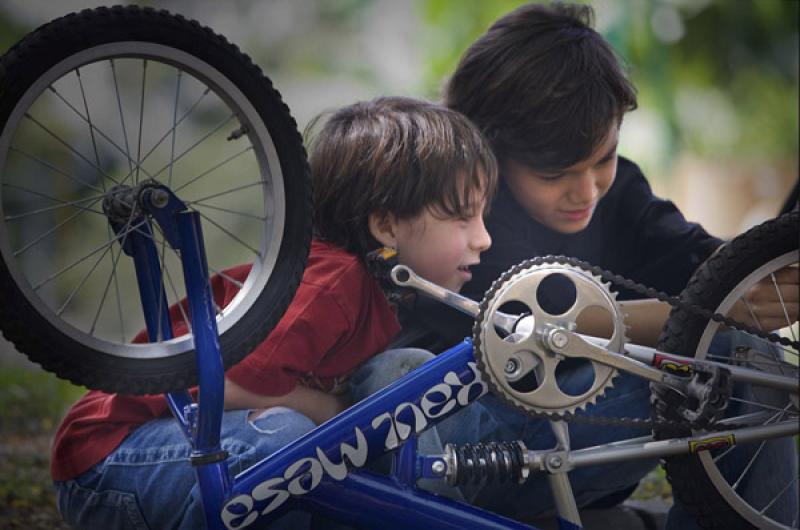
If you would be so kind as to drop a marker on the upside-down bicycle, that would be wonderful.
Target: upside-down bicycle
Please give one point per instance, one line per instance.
(124, 128)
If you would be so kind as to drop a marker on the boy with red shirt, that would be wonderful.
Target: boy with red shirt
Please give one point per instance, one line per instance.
(389, 172)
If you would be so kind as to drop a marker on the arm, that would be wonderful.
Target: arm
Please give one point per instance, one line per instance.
(645, 319)
(315, 404)
(772, 303)
(658, 246)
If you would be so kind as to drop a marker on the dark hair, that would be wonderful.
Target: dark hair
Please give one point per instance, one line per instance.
(543, 86)
(395, 155)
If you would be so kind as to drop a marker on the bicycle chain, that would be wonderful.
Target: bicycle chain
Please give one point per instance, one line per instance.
(673, 301)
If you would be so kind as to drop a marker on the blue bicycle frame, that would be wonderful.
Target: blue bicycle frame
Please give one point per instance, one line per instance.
(321, 472)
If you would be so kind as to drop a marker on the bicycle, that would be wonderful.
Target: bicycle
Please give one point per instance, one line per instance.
(185, 89)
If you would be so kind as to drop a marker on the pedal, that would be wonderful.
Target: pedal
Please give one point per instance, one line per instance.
(707, 395)
(379, 264)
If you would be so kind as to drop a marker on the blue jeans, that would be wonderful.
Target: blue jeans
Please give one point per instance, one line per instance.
(148, 482)
(490, 419)
(775, 461)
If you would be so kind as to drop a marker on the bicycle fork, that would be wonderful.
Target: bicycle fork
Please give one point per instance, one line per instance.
(128, 210)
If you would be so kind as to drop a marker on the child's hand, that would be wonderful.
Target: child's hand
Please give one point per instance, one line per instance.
(772, 303)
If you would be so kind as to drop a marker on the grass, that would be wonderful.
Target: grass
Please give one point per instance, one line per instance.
(654, 486)
(32, 403)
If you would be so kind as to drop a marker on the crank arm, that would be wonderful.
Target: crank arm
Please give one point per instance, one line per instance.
(570, 344)
(405, 277)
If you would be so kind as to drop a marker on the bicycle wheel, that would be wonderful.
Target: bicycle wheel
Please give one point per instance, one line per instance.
(113, 97)
(722, 488)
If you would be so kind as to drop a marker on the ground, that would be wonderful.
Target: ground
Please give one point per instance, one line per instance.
(31, 404)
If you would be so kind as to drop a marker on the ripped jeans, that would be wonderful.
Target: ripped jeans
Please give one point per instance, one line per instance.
(147, 483)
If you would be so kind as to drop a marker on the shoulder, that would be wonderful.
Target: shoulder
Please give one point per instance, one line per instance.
(334, 276)
(630, 180)
(630, 193)
(330, 266)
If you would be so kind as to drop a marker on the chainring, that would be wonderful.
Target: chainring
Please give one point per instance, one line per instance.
(518, 367)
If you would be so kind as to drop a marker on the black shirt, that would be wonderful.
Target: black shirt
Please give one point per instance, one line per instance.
(632, 233)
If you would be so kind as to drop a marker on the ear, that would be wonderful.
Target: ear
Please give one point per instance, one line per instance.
(382, 228)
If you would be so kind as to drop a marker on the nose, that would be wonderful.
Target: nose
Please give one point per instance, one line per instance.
(584, 189)
(480, 239)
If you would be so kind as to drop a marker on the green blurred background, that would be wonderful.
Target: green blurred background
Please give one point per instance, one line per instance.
(717, 126)
(716, 130)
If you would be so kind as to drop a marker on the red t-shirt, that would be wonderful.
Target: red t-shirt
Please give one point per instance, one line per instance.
(338, 319)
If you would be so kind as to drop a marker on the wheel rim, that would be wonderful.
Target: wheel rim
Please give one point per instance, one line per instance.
(186, 134)
(728, 489)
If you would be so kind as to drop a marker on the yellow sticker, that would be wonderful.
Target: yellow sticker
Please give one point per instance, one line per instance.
(713, 442)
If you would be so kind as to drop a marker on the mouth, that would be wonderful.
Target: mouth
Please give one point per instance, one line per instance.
(577, 215)
(464, 269)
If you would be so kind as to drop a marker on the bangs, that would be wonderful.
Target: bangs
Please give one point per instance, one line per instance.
(470, 194)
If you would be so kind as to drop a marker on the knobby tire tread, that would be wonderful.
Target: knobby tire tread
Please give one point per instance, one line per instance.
(31, 333)
(713, 280)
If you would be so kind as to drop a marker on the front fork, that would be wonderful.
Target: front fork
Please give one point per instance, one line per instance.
(129, 211)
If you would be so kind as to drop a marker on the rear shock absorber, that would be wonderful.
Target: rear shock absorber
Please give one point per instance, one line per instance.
(486, 462)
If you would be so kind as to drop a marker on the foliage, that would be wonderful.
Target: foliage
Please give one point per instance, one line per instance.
(31, 404)
(720, 78)
(33, 401)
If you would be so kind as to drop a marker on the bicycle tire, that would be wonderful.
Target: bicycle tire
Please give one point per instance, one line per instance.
(165, 50)
(696, 480)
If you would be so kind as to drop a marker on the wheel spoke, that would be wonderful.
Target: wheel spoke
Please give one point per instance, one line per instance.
(165, 271)
(52, 167)
(184, 316)
(778, 496)
(93, 128)
(111, 277)
(161, 299)
(752, 313)
(80, 212)
(83, 281)
(219, 165)
(122, 119)
(87, 256)
(749, 465)
(783, 306)
(141, 123)
(229, 233)
(749, 419)
(63, 204)
(231, 279)
(174, 130)
(234, 212)
(72, 149)
(757, 404)
(88, 120)
(169, 131)
(238, 188)
(194, 145)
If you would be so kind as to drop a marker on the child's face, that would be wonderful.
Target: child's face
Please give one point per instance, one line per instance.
(565, 201)
(441, 250)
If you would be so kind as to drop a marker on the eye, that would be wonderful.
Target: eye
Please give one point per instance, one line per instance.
(610, 157)
(550, 177)
(465, 219)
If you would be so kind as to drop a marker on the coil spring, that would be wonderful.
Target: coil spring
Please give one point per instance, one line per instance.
(486, 463)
